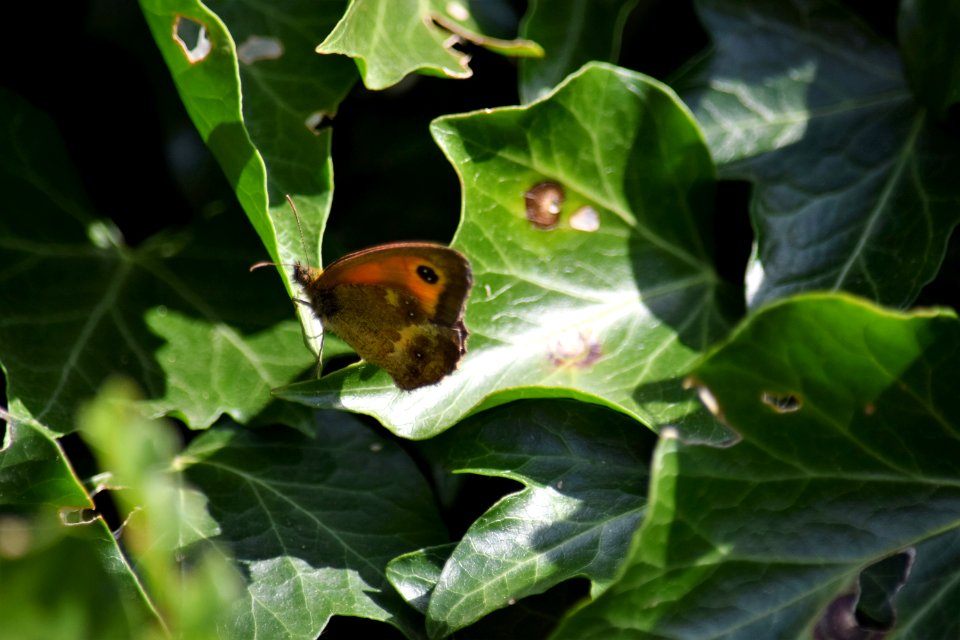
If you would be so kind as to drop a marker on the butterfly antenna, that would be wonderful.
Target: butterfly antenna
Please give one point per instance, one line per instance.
(268, 263)
(296, 216)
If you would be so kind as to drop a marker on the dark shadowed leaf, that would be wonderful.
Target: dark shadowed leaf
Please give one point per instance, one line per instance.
(572, 33)
(856, 188)
(757, 539)
(180, 313)
(313, 521)
(928, 31)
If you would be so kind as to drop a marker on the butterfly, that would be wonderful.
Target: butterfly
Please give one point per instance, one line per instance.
(399, 305)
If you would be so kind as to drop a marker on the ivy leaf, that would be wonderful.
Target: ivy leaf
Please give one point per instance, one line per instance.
(927, 31)
(855, 187)
(82, 306)
(261, 98)
(584, 472)
(47, 525)
(392, 38)
(572, 32)
(414, 575)
(611, 306)
(313, 522)
(849, 454)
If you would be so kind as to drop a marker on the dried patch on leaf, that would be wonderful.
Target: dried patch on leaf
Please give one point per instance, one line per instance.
(16, 536)
(257, 48)
(574, 348)
(457, 11)
(585, 218)
(544, 202)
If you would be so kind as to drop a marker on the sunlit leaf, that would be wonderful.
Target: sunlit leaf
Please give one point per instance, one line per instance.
(391, 38)
(611, 306)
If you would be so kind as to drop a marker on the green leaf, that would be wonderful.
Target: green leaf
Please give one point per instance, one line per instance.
(855, 188)
(313, 522)
(414, 575)
(572, 33)
(260, 99)
(849, 454)
(584, 472)
(192, 587)
(50, 544)
(927, 30)
(613, 313)
(392, 38)
(179, 314)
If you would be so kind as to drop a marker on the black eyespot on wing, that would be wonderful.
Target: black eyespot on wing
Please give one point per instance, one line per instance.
(427, 274)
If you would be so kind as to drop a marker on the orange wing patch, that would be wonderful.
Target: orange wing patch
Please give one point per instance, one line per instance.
(420, 277)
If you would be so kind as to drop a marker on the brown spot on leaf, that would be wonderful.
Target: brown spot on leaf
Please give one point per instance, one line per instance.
(543, 203)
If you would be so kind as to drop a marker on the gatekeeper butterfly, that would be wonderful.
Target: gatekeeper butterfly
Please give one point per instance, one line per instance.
(399, 305)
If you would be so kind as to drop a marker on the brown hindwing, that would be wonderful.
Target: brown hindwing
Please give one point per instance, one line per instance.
(399, 306)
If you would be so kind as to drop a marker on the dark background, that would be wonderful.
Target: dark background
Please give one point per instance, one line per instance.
(93, 66)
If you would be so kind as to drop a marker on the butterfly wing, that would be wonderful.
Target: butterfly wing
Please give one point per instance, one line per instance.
(400, 306)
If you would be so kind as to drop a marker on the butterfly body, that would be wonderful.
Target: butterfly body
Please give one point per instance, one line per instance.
(400, 306)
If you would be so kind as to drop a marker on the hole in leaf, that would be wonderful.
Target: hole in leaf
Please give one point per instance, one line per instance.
(257, 48)
(74, 516)
(192, 38)
(868, 612)
(318, 121)
(879, 585)
(781, 402)
(543, 203)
